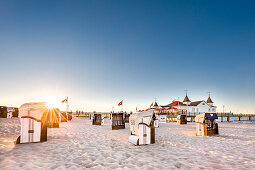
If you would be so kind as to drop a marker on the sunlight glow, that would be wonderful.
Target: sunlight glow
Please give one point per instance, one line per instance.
(53, 102)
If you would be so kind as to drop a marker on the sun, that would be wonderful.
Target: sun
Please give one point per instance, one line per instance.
(52, 102)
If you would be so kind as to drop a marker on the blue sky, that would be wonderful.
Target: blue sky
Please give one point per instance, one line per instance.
(101, 52)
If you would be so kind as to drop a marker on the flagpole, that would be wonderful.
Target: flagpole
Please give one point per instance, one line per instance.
(67, 107)
(122, 106)
(178, 105)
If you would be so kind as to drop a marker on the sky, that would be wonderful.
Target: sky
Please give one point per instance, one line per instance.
(103, 51)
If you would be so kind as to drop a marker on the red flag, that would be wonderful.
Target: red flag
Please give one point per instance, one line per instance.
(136, 109)
(175, 101)
(65, 100)
(120, 103)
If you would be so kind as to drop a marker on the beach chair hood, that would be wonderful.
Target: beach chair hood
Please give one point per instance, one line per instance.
(202, 117)
(34, 110)
(140, 117)
(211, 116)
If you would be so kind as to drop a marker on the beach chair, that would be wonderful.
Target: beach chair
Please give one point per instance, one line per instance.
(117, 121)
(127, 118)
(97, 119)
(9, 114)
(33, 118)
(181, 119)
(70, 116)
(63, 116)
(206, 124)
(53, 118)
(3, 112)
(142, 128)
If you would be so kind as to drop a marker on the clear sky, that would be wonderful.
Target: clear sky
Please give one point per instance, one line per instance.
(101, 52)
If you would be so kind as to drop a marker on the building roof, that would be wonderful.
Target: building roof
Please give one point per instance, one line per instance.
(209, 100)
(182, 104)
(186, 99)
(156, 104)
(195, 103)
(175, 104)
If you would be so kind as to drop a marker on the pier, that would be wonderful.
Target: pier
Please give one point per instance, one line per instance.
(227, 117)
(223, 117)
(239, 117)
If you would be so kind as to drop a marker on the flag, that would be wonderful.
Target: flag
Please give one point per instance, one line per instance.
(65, 100)
(136, 109)
(175, 101)
(151, 104)
(120, 103)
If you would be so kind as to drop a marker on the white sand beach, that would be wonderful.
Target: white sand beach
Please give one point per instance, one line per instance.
(79, 145)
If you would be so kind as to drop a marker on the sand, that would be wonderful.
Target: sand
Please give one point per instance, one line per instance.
(80, 145)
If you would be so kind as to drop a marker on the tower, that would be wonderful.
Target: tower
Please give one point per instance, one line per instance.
(155, 105)
(186, 99)
(209, 100)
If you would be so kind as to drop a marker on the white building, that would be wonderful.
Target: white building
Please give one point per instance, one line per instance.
(195, 107)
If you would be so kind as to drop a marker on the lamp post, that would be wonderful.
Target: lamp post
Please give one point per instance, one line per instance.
(222, 114)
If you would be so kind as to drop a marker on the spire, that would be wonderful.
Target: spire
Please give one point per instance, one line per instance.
(209, 100)
(155, 104)
(186, 99)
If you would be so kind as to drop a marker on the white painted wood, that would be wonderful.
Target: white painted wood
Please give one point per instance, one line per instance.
(133, 139)
(30, 128)
(198, 129)
(37, 131)
(137, 118)
(102, 120)
(27, 125)
(156, 123)
(147, 120)
(9, 115)
(203, 129)
(138, 130)
(24, 130)
(144, 135)
(9, 112)
(200, 108)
